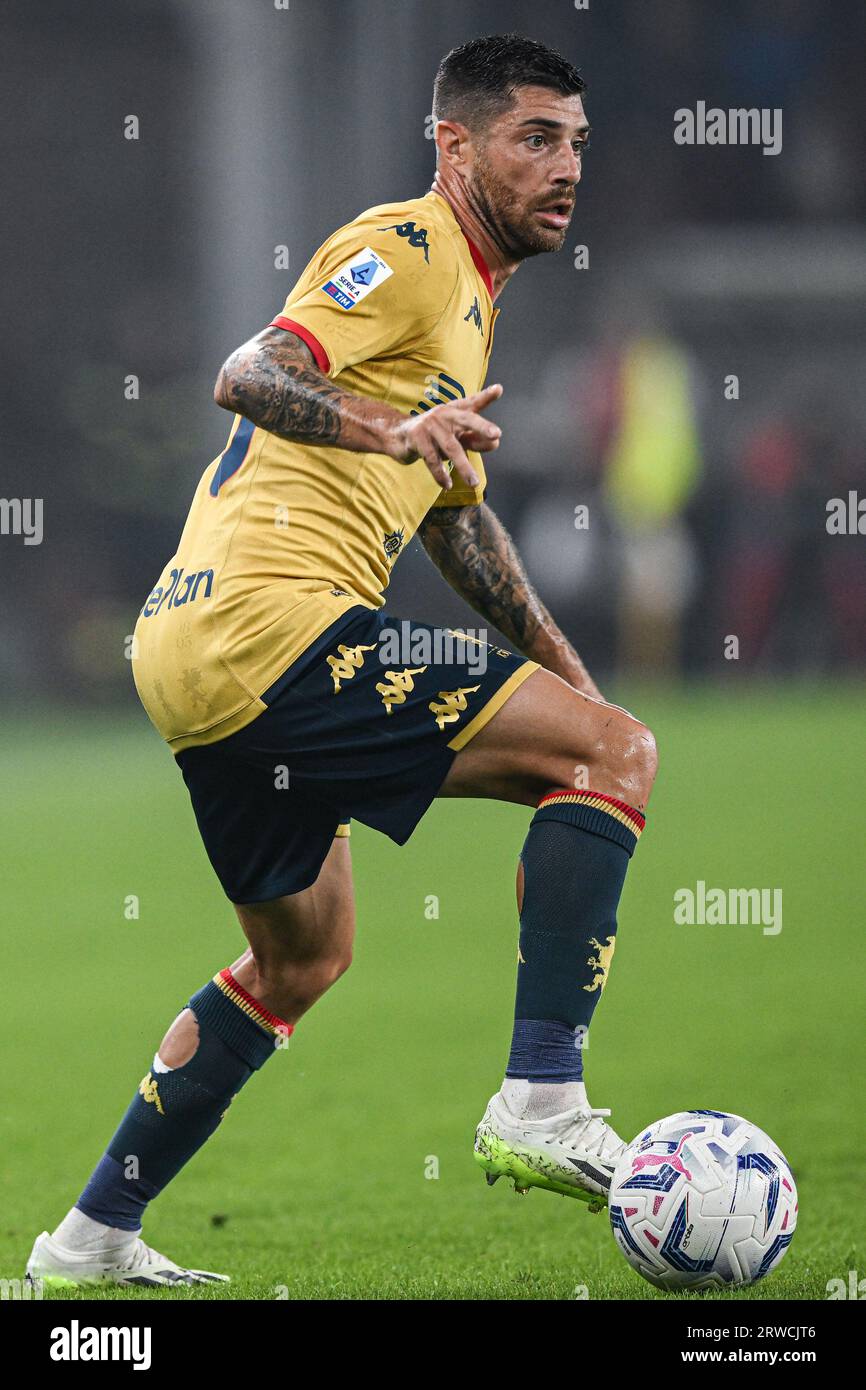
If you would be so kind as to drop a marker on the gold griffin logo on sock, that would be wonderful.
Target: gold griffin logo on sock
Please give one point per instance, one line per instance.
(600, 963)
(148, 1091)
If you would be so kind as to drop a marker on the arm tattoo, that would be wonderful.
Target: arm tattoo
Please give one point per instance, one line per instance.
(477, 556)
(274, 382)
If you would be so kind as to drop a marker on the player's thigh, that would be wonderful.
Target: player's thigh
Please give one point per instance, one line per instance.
(549, 735)
(313, 925)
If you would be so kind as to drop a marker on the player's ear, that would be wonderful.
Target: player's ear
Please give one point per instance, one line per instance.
(451, 139)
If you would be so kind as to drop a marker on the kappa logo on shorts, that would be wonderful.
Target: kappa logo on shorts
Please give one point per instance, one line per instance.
(453, 704)
(344, 666)
(357, 278)
(402, 683)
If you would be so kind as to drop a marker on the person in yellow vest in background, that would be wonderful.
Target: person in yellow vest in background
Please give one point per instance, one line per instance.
(652, 468)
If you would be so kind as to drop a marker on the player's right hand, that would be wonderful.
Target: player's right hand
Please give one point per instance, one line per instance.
(446, 432)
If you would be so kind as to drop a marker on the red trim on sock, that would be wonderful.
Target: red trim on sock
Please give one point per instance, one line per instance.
(322, 360)
(269, 1018)
(630, 811)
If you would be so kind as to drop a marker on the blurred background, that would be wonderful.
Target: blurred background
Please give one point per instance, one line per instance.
(661, 507)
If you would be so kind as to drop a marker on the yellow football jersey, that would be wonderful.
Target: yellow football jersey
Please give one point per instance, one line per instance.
(283, 538)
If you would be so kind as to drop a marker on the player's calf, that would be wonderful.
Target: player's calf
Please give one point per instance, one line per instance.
(572, 870)
(294, 986)
(592, 766)
(301, 944)
(298, 946)
(540, 1128)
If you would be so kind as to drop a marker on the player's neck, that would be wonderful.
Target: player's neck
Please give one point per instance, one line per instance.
(471, 224)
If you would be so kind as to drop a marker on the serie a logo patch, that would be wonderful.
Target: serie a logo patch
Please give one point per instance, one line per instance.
(357, 278)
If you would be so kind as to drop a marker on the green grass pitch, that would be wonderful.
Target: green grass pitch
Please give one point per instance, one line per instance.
(318, 1184)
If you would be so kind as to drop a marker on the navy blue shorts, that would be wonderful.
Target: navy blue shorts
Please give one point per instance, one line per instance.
(364, 726)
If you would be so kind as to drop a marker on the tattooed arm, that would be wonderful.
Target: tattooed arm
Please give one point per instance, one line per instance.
(273, 381)
(478, 558)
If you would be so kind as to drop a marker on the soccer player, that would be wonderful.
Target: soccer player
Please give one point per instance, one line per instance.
(266, 661)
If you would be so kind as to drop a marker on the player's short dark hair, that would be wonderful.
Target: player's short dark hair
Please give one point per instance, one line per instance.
(476, 82)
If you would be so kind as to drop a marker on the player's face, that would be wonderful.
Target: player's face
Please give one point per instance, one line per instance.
(525, 173)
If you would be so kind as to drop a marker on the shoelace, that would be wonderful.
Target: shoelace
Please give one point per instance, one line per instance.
(595, 1134)
(145, 1254)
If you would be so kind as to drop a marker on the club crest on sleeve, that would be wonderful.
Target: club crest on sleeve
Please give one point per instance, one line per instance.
(357, 278)
(393, 543)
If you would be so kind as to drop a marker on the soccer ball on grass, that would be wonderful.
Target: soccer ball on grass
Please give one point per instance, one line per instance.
(702, 1199)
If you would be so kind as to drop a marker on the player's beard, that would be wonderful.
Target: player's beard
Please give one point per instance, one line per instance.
(510, 222)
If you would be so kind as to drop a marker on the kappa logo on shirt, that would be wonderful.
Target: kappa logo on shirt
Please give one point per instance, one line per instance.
(357, 278)
(416, 236)
(475, 315)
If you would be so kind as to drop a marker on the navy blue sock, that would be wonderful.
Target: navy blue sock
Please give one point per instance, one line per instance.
(174, 1112)
(574, 862)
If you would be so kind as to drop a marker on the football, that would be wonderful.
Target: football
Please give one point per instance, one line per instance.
(703, 1199)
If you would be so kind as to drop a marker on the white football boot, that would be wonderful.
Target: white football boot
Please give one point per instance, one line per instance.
(573, 1154)
(130, 1263)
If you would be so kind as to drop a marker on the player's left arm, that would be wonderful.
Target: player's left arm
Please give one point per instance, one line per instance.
(479, 559)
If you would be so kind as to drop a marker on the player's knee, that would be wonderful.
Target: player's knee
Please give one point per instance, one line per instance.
(628, 760)
(646, 755)
(640, 763)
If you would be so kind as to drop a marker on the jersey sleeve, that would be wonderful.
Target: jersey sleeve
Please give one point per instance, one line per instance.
(367, 293)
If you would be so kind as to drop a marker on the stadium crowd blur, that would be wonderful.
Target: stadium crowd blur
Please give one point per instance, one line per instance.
(677, 414)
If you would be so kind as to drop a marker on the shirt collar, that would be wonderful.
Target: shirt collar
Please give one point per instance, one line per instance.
(477, 258)
(480, 265)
